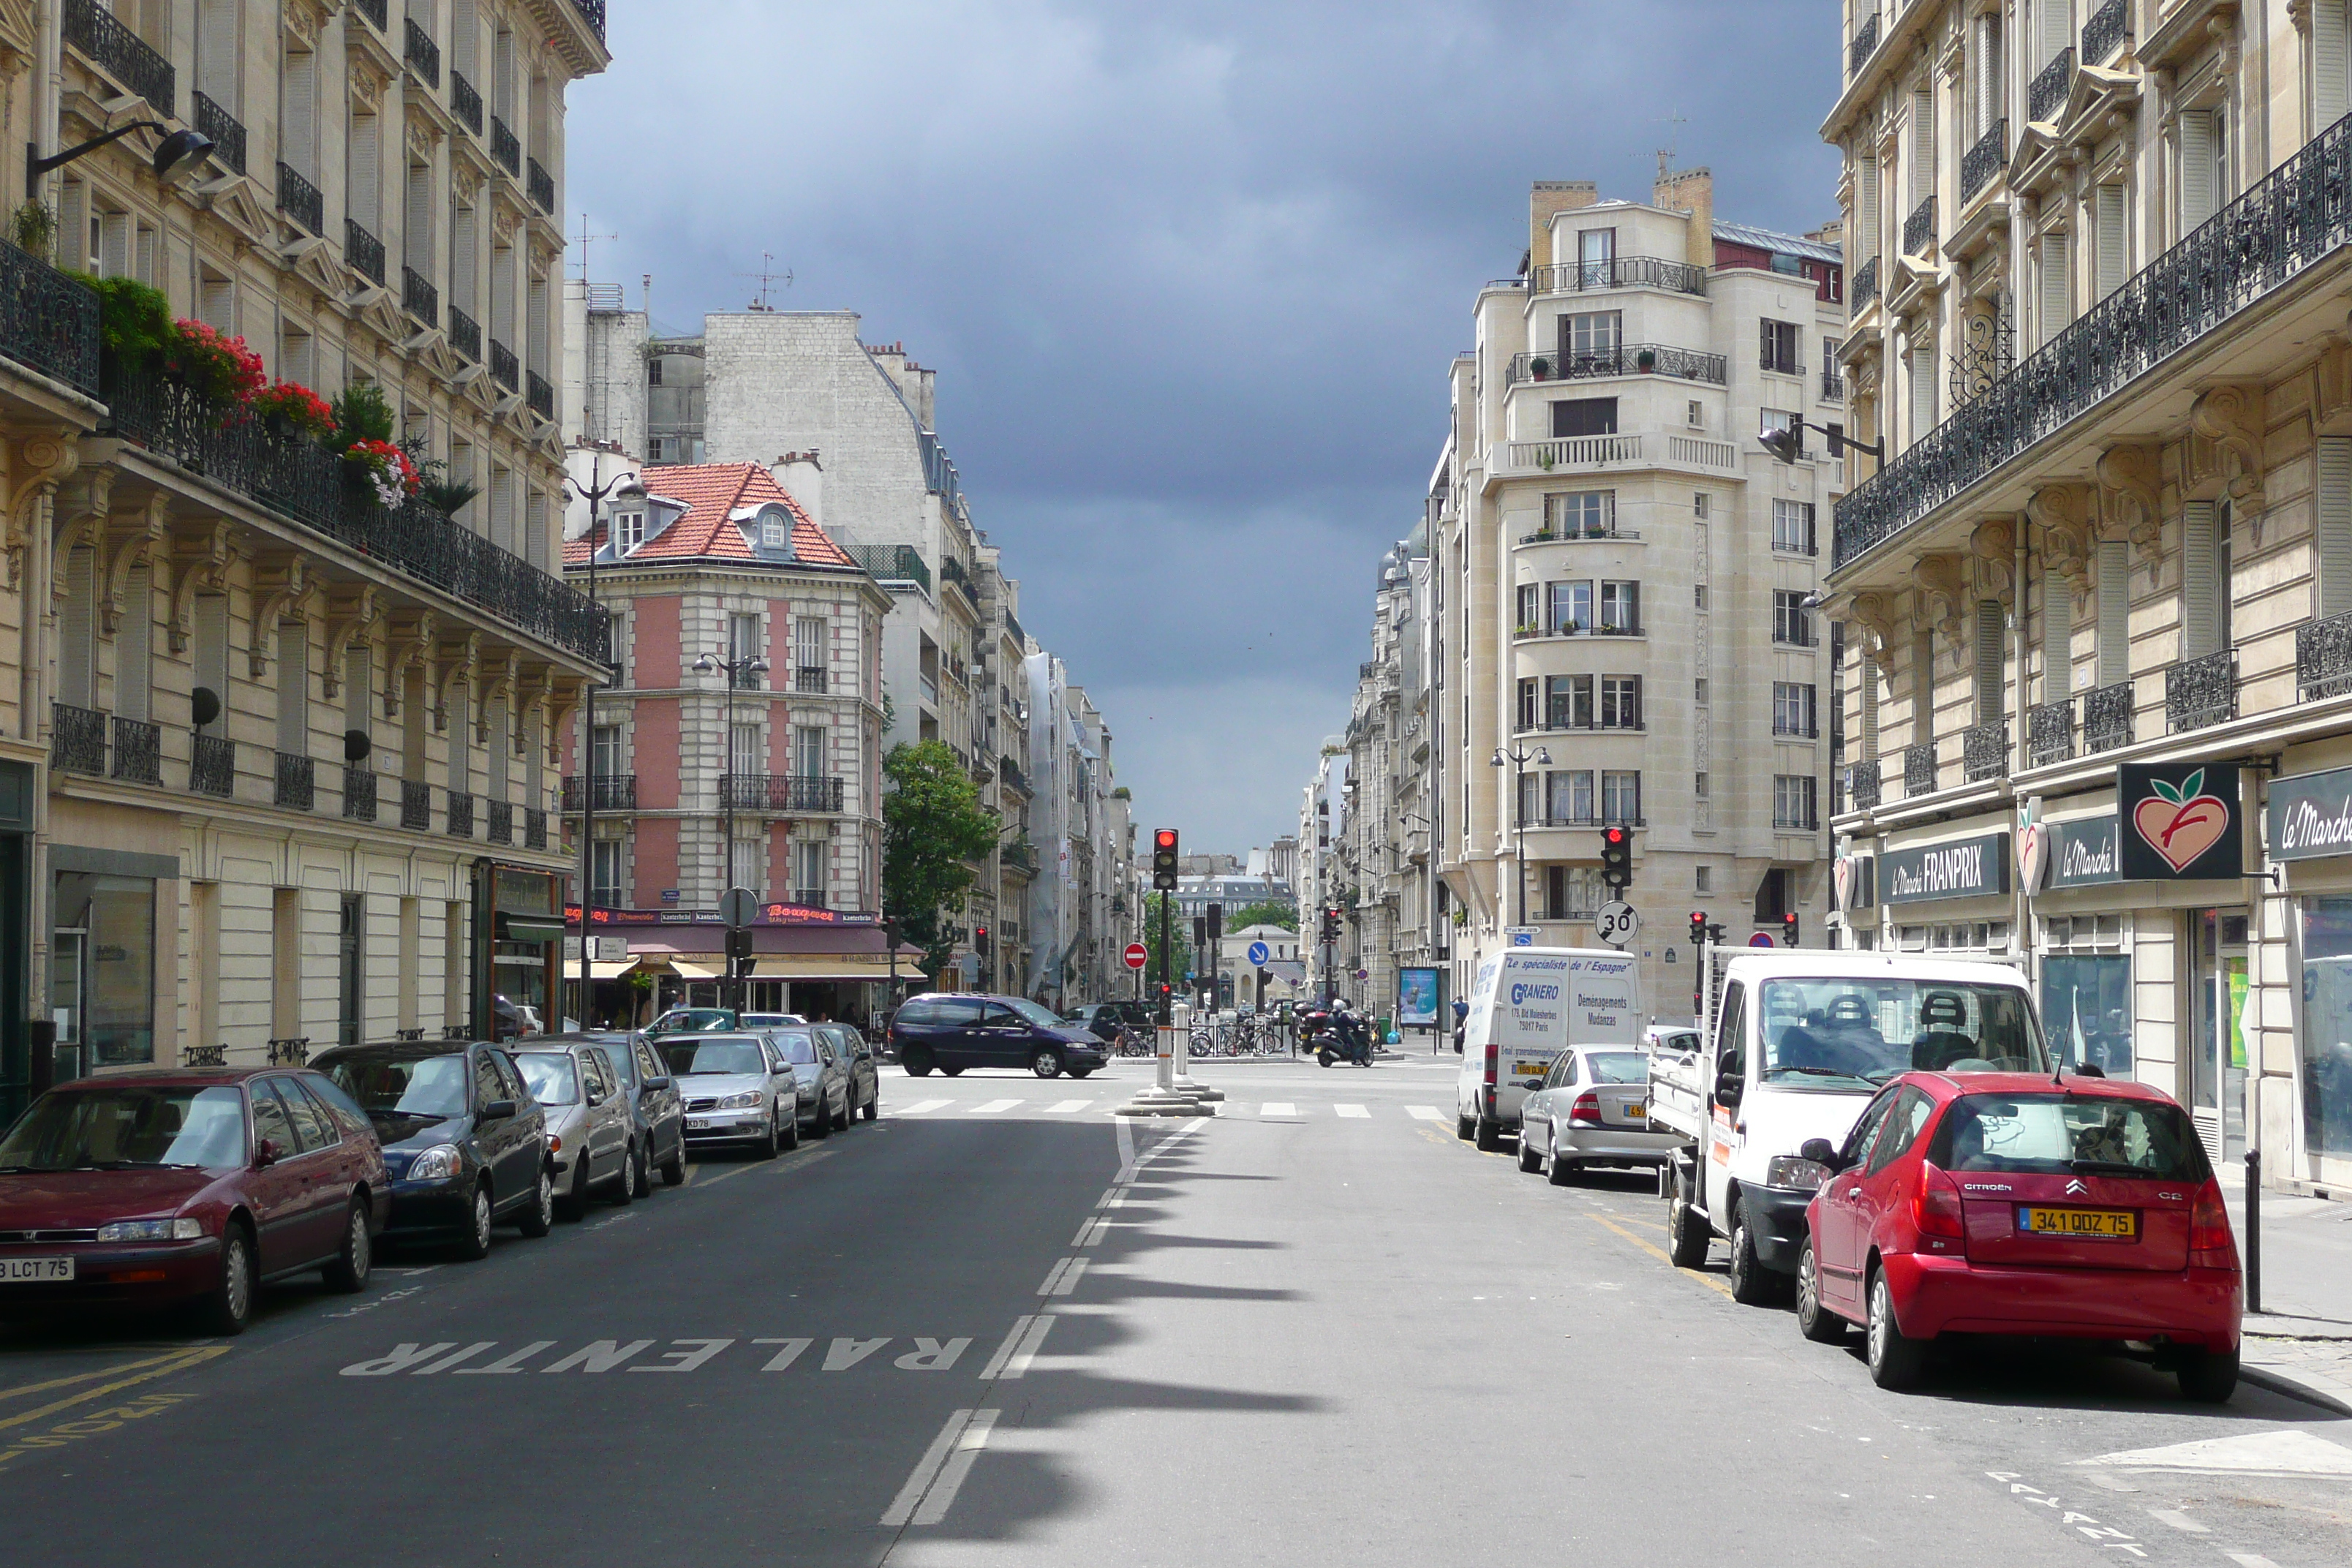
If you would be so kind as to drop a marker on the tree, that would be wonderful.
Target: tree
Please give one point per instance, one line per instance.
(1266, 912)
(932, 823)
(1181, 957)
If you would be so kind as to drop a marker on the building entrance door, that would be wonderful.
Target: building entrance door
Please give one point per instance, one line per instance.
(2217, 1038)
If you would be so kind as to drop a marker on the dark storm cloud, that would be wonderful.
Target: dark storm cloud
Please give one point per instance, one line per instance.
(1191, 275)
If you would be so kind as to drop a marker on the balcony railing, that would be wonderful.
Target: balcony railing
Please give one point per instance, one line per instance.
(505, 146)
(297, 781)
(465, 101)
(1013, 629)
(138, 751)
(415, 805)
(227, 134)
(464, 334)
(541, 185)
(1865, 289)
(592, 13)
(2323, 658)
(1620, 272)
(122, 54)
(77, 738)
(2047, 95)
(2107, 717)
(1629, 359)
(302, 480)
(376, 11)
(300, 200)
(2050, 732)
(1603, 818)
(810, 677)
(1009, 770)
(2259, 242)
(892, 562)
(2105, 33)
(1918, 770)
(363, 251)
(49, 321)
(1832, 387)
(505, 369)
(1982, 162)
(2201, 692)
(1555, 726)
(461, 814)
(502, 822)
(358, 792)
(1865, 45)
(1862, 785)
(212, 766)
(419, 297)
(534, 827)
(1567, 535)
(1984, 752)
(539, 394)
(1572, 452)
(614, 792)
(424, 56)
(779, 791)
(1611, 628)
(1919, 228)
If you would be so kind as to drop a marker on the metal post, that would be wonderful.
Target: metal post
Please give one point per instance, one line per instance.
(1519, 827)
(2253, 1230)
(1167, 947)
(594, 495)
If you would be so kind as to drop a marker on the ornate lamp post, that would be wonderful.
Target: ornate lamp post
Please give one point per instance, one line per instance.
(1519, 757)
(739, 670)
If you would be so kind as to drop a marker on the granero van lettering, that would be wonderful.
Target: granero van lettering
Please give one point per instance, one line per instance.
(1523, 990)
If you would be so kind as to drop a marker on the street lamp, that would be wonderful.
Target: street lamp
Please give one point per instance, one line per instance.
(739, 670)
(1519, 757)
(176, 156)
(594, 493)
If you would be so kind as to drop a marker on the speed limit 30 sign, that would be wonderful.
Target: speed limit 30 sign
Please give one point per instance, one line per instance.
(1616, 924)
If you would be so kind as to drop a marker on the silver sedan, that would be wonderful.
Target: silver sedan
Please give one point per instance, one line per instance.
(1590, 1111)
(591, 1136)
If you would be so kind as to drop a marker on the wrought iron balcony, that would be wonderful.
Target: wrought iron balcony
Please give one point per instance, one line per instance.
(592, 13)
(138, 751)
(358, 792)
(461, 814)
(614, 792)
(1628, 359)
(1587, 818)
(122, 54)
(2323, 658)
(505, 146)
(541, 185)
(2050, 732)
(1832, 387)
(1549, 535)
(1918, 770)
(300, 200)
(501, 821)
(1919, 228)
(1865, 289)
(2047, 95)
(291, 1052)
(419, 297)
(1862, 785)
(465, 101)
(423, 54)
(505, 369)
(464, 334)
(2264, 240)
(810, 677)
(1620, 272)
(2105, 32)
(228, 136)
(376, 11)
(892, 562)
(779, 791)
(1984, 752)
(2107, 717)
(809, 898)
(212, 766)
(539, 394)
(297, 780)
(363, 251)
(77, 738)
(534, 827)
(1865, 45)
(1982, 162)
(415, 805)
(2201, 692)
(49, 321)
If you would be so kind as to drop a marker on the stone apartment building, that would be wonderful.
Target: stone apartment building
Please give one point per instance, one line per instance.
(2097, 591)
(278, 761)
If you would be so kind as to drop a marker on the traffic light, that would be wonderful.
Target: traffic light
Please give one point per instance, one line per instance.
(1698, 928)
(980, 940)
(1330, 925)
(1789, 929)
(1163, 860)
(1200, 932)
(1617, 859)
(1216, 924)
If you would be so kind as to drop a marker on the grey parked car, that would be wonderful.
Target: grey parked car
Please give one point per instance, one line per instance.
(739, 1089)
(590, 1128)
(821, 1076)
(652, 1096)
(1590, 1111)
(865, 1082)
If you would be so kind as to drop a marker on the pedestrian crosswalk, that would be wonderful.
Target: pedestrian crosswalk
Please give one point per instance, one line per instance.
(1266, 1111)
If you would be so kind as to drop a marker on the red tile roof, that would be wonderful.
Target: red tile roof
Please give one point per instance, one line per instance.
(711, 492)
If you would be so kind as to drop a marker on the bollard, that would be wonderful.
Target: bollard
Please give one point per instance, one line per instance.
(2254, 1231)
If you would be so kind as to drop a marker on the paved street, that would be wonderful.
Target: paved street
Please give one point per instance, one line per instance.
(1002, 1326)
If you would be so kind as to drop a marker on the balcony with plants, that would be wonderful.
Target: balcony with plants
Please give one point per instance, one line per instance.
(1618, 360)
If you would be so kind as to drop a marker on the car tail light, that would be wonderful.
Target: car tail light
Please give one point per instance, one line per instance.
(1494, 1061)
(1936, 1209)
(554, 1144)
(2211, 1245)
(1586, 1111)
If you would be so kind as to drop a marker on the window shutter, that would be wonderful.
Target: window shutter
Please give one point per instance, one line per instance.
(130, 648)
(114, 245)
(501, 749)
(297, 111)
(77, 684)
(1923, 145)
(2198, 199)
(2057, 29)
(417, 222)
(1869, 709)
(1989, 93)
(2112, 590)
(466, 39)
(2056, 293)
(1990, 706)
(294, 687)
(2331, 63)
(212, 653)
(216, 52)
(2333, 506)
(462, 265)
(366, 174)
(73, 226)
(1923, 392)
(459, 728)
(1866, 209)
(2200, 617)
(2111, 258)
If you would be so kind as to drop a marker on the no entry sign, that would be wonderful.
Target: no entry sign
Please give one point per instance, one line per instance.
(1135, 955)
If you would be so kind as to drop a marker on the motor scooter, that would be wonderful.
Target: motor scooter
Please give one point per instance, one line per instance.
(1347, 1039)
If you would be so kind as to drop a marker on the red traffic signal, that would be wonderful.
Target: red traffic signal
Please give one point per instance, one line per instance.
(1164, 840)
(1698, 928)
(1789, 929)
(1616, 858)
(1163, 860)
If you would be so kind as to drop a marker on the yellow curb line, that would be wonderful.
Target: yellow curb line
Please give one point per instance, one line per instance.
(86, 1376)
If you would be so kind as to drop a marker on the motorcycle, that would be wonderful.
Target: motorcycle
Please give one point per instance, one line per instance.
(1347, 1039)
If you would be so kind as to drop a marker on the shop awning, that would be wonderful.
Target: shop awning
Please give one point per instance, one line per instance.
(598, 971)
(817, 966)
(685, 970)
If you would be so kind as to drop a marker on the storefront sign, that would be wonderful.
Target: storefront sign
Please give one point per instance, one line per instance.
(768, 915)
(1854, 880)
(2311, 815)
(2177, 821)
(1962, 868)
(2081, 853)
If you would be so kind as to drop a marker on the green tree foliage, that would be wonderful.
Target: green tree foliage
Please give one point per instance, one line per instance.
(1179, 927)
(932, 822)
(1266, 912)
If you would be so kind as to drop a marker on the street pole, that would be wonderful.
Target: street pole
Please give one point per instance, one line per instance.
(1167, 946)
(594, 495)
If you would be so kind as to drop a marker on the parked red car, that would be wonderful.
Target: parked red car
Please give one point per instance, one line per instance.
(2015, 1203)
(192, 1187)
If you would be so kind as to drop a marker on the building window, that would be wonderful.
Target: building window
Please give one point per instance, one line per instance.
(1621, 608)
(2204, 167)
(1526, 709)
(1694, 415)
(743, 646)
(1574, 416)
(744, 865)
(1792, 801)
(1793, 710)
(1572, 606)
(1529, 613)
(1792, 526)
(1586, 514)
(808, 751)
(605, 868)
(1703, 879)
(2057, 288)
(1620, 797)
(1780, 351)
(1698, 596)
(1698, 503)
(743, 749)
(1570, 796)
(1567, 701)
(1793, 623)
(2204, 578)
(1591, 337)
(606, 751)
(1620, 702)
(808, 885)
(102, 968)
(629, 532)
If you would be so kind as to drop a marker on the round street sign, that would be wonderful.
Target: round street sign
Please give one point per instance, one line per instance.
(1616, 923)
(1135, 955)
(1258, 952)
(1761, 939)
(739, 907)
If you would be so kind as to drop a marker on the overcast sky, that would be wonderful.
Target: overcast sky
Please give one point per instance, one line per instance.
(1191, 275)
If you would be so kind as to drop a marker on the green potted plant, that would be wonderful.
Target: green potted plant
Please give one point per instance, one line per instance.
(1539, 367)
(1646, 360)
(134, 321)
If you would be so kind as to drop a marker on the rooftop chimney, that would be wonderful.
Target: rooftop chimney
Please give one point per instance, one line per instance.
(1691, 191)
(1547, 198)
(802, 479)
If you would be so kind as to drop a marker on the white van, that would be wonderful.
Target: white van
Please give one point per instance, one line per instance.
(1527, 1005)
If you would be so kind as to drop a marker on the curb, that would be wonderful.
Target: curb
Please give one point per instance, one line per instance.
(2294, 1388)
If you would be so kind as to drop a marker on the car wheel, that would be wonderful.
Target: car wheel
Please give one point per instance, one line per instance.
(1563, 1172)
(1530, 1162)
(1894, 1361)
(1752, 1284)
(1463, 1126)
(627, 1191)
(539, 1219)
(917, 1060)
(1686, 1233)
(574, 1204)
(229, 1307)
(873, 1106)
(476, 1243)
(788, 1128)
(840, 1122)
(1815, 1321)
(348, 1272)
(645, 1168)
(2208, 1377)
(674, 1168)
(770, 1137)
(1046, 1063)
(821, 1125)
(1488, 1135)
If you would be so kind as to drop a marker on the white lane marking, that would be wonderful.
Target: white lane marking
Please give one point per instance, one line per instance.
(1090, 1232)
(509, 1363)
(2177, 1520)
(926, 1470)
(786, 1356)
(1054, 1276)
(1004, 1352)
(1126, 1151)
(1352, 1111)
(1069, 1279)
(2251, 1560)
(2109, 1483)
(446, 1362)
(919, 1107)
(1018, 1362)
(968, 1445)
(1065, 1107)
(1424, 1112)
(845, 1353)
(993, 1106)
(1112, 1196)
(1277, 1108)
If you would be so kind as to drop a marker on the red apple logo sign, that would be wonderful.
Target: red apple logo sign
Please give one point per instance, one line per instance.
(2180, 822)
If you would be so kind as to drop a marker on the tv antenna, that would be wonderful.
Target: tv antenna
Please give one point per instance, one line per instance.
(768, 277)
(585, 238)
(1666, 152)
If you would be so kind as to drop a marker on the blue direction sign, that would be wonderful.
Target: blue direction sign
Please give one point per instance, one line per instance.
(1258, 954)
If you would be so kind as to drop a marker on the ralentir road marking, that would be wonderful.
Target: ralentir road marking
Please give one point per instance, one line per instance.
(90, 1424)
(94, 1422)
(2091, 1529)
(681, 1355)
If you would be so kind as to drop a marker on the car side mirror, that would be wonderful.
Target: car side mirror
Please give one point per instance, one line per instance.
(498, 1111)
(1819, 1152)
(595, 1100)
(267, 1154)
(657, 1083)
(1727, 1090)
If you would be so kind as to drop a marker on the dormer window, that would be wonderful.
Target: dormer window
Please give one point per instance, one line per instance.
(628, 532)
(771, 533)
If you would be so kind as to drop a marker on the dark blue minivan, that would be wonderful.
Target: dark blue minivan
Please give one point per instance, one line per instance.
(955, 1031)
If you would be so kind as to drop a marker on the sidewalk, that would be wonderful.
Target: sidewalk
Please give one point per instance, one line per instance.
(2300, 1344)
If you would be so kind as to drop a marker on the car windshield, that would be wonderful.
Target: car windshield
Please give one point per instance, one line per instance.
(1618, 1067)
(1835, 1032)
(113, 1128)
(1033, 1013)
(798, 1049)
(549, 1076)
(2060, 1134)
(700, 1059)
(694, 1020)
(770, 1020)
(423, 1088)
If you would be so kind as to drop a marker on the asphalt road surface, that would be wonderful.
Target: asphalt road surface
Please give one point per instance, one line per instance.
(1002, 1326)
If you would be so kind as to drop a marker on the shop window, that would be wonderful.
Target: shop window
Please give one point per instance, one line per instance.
(2086, 999)
(2325, 1042)
(102, 968)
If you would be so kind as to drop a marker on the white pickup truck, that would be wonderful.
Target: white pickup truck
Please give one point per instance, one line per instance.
(1791, 1047)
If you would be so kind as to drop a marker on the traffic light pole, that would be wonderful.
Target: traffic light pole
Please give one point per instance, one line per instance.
(1167, 950)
